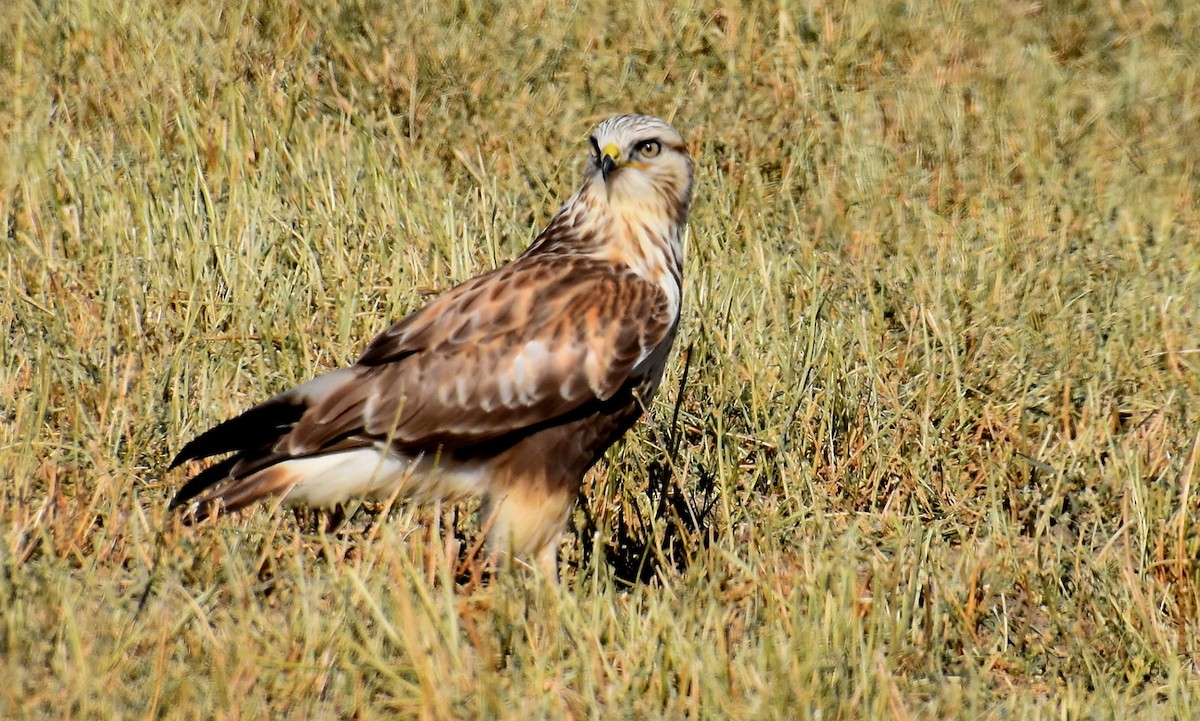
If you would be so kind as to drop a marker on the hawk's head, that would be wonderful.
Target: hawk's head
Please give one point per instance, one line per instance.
(633, 204)
(641, 160)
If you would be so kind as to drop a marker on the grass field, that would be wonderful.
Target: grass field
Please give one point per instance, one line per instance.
(938, 446)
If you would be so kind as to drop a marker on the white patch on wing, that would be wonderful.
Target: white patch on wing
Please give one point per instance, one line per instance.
(594, 367)
(504, 386)
(461, 392)
(372, 474)
(368, 410)
(527, 367)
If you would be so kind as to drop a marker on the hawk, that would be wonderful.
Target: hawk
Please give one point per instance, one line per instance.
(508, 387)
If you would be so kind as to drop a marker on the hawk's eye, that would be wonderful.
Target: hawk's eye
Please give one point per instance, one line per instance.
(649, 148)
(595, 148)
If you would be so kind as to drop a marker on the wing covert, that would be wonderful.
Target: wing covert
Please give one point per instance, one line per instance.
(509, 350)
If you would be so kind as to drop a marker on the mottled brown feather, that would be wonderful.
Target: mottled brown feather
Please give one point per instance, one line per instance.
(408, 381)
(516, 380)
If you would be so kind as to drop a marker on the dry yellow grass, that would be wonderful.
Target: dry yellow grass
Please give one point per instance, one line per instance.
(938, 446)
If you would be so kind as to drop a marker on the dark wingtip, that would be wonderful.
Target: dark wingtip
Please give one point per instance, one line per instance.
(180, 458)
(209, 443)
(193, 450)
(202, 481)
(260, 426)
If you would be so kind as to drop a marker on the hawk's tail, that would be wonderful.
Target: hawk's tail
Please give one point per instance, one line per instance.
(254, 470)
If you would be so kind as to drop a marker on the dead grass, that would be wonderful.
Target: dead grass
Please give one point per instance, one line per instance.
(939, 442)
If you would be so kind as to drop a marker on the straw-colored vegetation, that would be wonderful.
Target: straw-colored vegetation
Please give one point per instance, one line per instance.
(938, 442)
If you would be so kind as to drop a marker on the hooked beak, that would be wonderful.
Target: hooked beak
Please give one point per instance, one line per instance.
(609, 158)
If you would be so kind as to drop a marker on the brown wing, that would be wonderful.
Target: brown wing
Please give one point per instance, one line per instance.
(511, 349)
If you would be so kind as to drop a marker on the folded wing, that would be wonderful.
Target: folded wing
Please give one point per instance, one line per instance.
(506, 353)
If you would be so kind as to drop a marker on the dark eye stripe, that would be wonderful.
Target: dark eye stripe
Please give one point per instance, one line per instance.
(595, 146)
